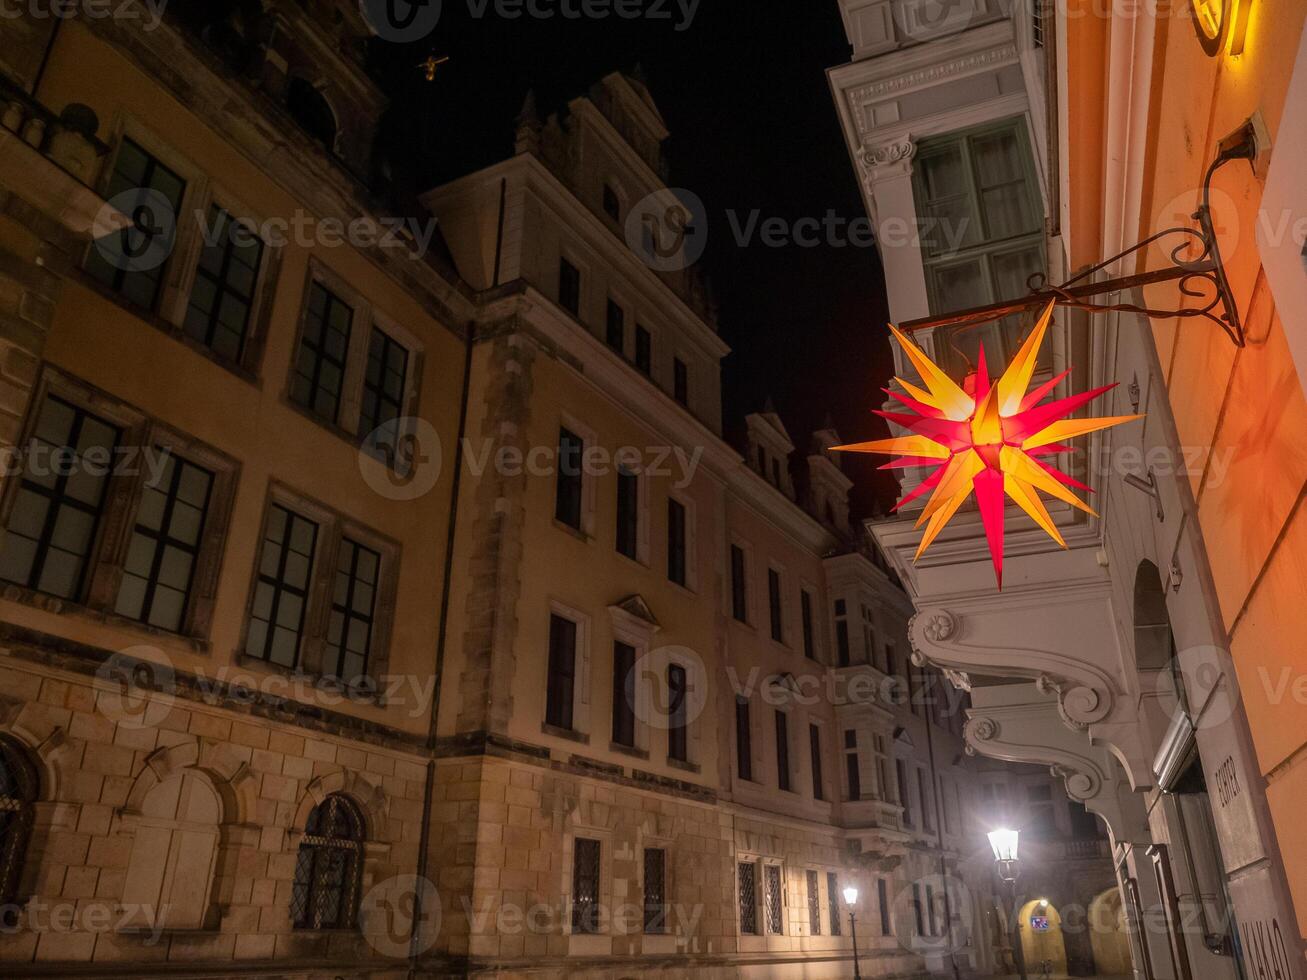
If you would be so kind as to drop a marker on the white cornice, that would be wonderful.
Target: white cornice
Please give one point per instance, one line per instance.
(932, 74)
(922, 65)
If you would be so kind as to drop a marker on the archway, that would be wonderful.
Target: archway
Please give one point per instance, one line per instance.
(1041, 938)
(1107, 934)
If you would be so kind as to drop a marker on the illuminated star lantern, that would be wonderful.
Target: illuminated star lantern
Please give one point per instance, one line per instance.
(988, 438)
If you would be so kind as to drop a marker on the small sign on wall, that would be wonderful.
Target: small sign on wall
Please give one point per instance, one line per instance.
(1039, 923)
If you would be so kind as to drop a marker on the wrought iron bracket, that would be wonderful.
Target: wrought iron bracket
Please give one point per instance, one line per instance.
(1200, 274)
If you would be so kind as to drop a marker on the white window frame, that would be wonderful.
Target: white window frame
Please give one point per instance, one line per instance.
(689, 505)
(582, 671)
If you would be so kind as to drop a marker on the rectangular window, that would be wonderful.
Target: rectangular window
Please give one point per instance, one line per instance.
(612, 205)
(783, 751)
(281, 589)
(628, 512)
(353, 607)
(905, 791)
(383, 384)
(57, 510)
(917, 911)
(320, 363)
(616, 328)
(643, 350)
(814, 746)
(569, 287)
(126, 260)
(747, 872)
(585, 887)
(680, 381)
(655, 891)
(833, 902)
(927, 817)
(678, 690)
(156, 582)
(774, 605)
(805, 610)
(561, 683)
(743, 739)
(882, 900)
(930, 910)
(739, 596)
(978, 193)
(851, 766)
(222, 298)
(567, 498)
(624, 694)
(676, 542)
(842, 641)
(774, 900)
(814, 904)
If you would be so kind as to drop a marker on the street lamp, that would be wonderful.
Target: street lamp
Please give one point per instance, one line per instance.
(850, 900)
(1004, 842)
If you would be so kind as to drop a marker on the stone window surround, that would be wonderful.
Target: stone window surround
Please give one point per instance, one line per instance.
(122, 500)
(786, 612)
(750, 584)
(333, 527)
(813, 592)
(691, 542)
(589, 481)
(638, 634)
(583, 671)
(765, 937)
(366, 318)
(181, 267)
(643, 510)
(601, 942)
(660, 942)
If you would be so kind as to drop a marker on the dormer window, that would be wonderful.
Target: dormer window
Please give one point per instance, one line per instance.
(312, 111)
(612, 204)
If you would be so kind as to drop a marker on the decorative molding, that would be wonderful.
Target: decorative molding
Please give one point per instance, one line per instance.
(885, 154)
(966, 65)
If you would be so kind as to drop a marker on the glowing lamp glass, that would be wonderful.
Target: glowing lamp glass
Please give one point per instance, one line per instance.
(1004, 843)
(850, 896)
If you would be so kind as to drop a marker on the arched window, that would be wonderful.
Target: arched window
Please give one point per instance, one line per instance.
(169, 879)
(19, 788)
(312, 111)
(329, 867)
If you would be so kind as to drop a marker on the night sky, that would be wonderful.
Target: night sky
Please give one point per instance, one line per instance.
(744, 92)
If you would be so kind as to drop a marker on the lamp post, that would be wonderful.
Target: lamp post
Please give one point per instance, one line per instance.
(1004, 843)
(851, 899)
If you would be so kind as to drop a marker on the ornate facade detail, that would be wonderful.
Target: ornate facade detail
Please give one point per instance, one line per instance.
(940, 627)
(885, 154)
(966, 65)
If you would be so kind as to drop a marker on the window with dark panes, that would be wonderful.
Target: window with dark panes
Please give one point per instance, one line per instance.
(852, 768)
(643, 350)
(624, 694)
(842, 642)
(383, 384)
(569, 287)
(615, 329)
(567, 498)
(585, 886)
(655, 891)
(329, 867)
(927, 811)
(739, 594)
(132, 261)
(882, 900)
(917, 910)
(165, 544)
(905, 791)
(20, 788)
(774, 605)
(678, 692)
(805, 610)
(747, 872)
(60, 500)
(782, 750)
(982, 230)
(676, 542)
(814, 904)
(814, 747)
(773, 899)
(628, 512)
(324, 345)
(743, 739)
(612, 204)
(930, 910)
(353, 601)
(222, 297)
(281, 588)
(680, 381)
(833, 902)
(561, 681)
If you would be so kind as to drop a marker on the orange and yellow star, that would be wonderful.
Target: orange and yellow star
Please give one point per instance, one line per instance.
(987, 439)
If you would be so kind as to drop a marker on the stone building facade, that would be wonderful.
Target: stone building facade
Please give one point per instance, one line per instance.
(383, 598)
